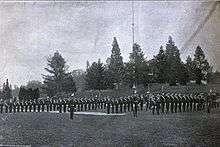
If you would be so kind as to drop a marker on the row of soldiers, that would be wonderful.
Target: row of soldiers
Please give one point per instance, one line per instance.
(47, 105)
(163, 103)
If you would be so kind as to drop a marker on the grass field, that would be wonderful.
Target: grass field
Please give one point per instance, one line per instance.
(54, 129)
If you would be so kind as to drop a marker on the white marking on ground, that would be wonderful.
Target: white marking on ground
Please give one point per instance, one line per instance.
(98, 113)
(93, 113)
(9, 145)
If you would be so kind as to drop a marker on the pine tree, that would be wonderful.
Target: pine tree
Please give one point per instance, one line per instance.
(7, 93)
(190, 66)
(183, 74)
(160, 66)
(115, 65)
(21, 93)
(36, 93)
(137, 69)
(173, 62)
(95, 76)
(57, 68)
(202, 67)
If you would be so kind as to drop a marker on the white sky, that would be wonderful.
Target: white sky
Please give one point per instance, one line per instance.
(81, 31)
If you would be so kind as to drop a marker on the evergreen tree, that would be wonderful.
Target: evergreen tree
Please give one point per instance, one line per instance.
(190, 66)
(7, 93)
(202, 67)
(69, 85)
(160, 66)
(173, 62)
(115, 65)
(36, 93)
(95, 76)
(184, 76)
(137, 69)
(54, 82)
(21, 93)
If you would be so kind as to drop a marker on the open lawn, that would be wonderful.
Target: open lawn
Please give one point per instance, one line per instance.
(54, 129)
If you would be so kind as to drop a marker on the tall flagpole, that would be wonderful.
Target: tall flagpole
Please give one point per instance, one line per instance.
(134, 84)
(132, 23)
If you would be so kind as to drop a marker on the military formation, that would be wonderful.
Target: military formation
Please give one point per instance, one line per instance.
(157, 103)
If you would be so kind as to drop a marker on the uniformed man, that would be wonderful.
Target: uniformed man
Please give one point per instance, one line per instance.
(132, 103)
(14, 107)
(184, 103)
(42, 105)
(6, 108)
(10, 107)
(96, 102)
(129, 103)
(180, 102)
(108, 107)
(116, 106)
(153, 104)
(141, 102)
(1, 107)
(22, 106)
(64, 106)
(30, 105)
(190, 102)
(47, 102)
(34, 105)
(81, 104)
(135, 107)
(125, 104)
(18, 107)
(175, 102)
(38, 106)
(187, 102)
(167, 101)
(72, 110)
(171, 103)
(162, 101)
(113, 106)
(157, 101)
(120, 104)
(54, 105)
(85, 105)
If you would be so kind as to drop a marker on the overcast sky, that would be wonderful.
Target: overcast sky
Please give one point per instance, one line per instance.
(81, 31)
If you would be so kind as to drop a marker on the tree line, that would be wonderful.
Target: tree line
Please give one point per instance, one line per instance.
(165, 67)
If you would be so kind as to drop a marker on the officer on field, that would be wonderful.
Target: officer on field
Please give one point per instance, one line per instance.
(157, 101)
(113, 106)
(116, 106)
(108, 106)
(167, 101)
(135, 107)
(175, 102)
(14, 107)
(153, 103)
(6, 108)
(129, 103)
(120, 104)
(125, 104)
(10, 107)
(190, 102)
(179, 97)
(1, 107)
(72, 110)
(184, 102)
(162, 101)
